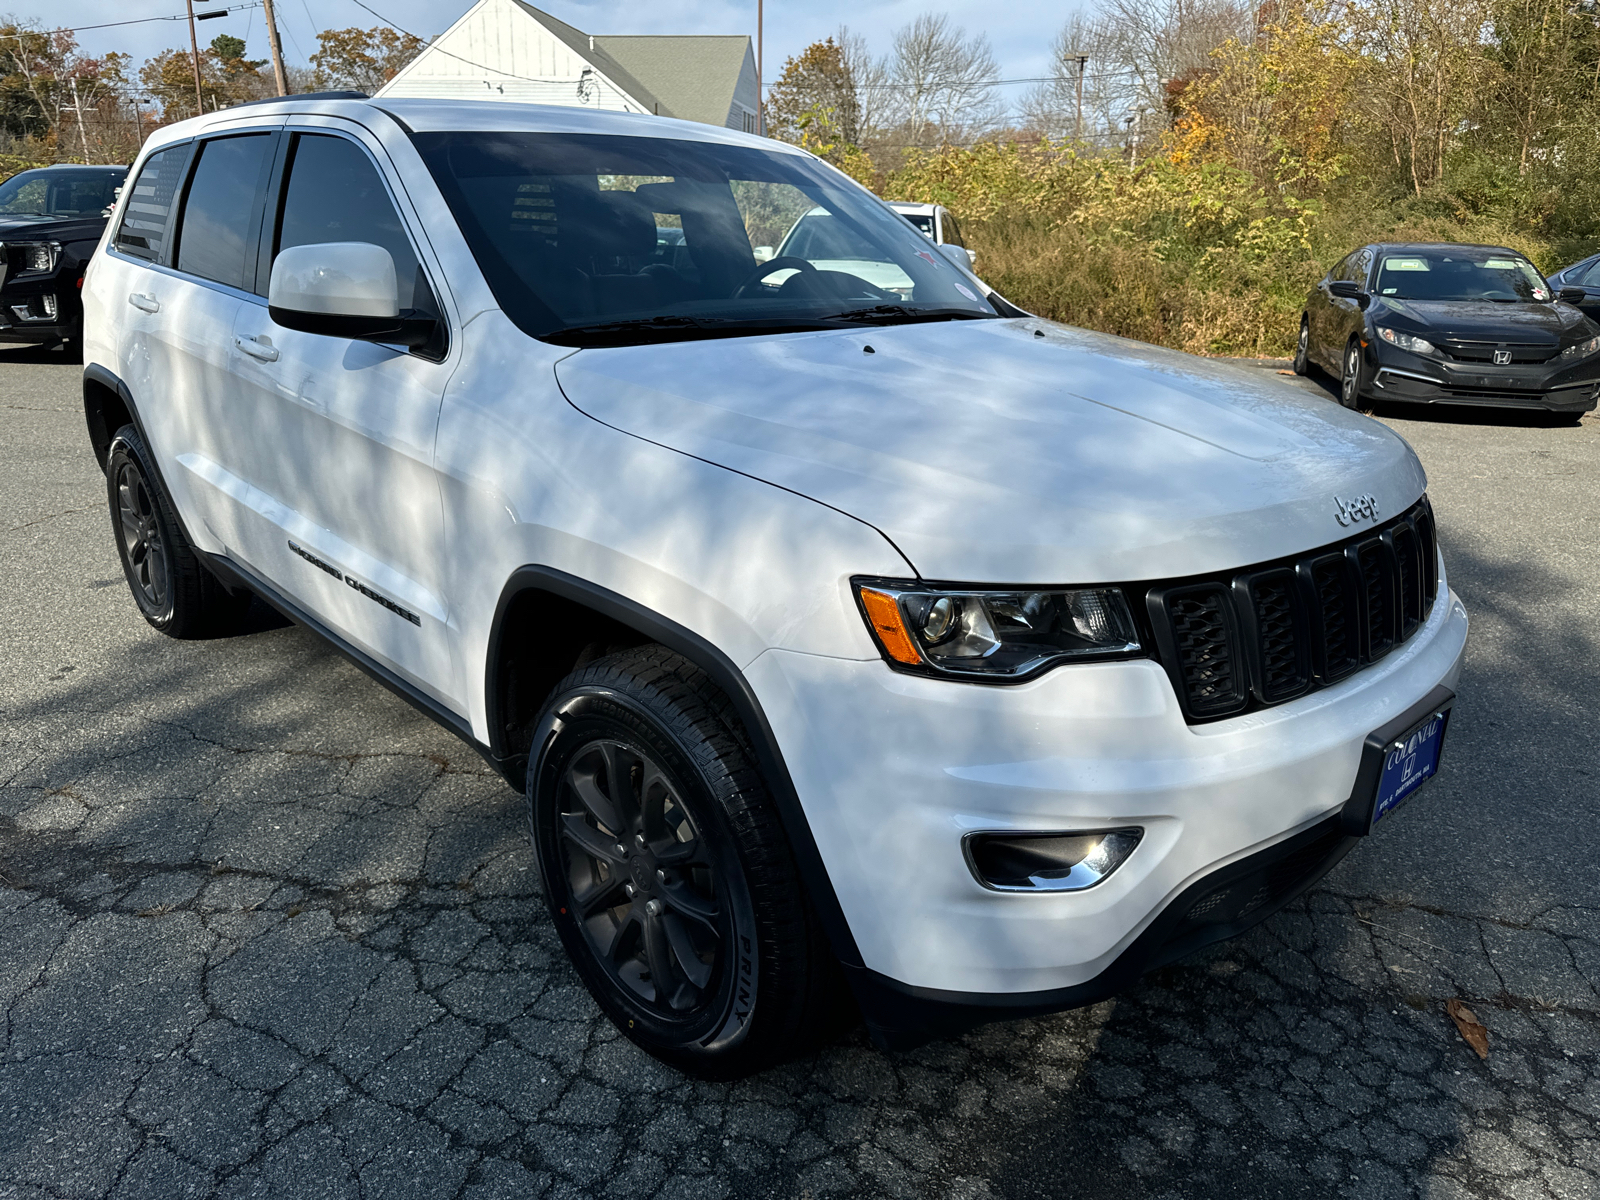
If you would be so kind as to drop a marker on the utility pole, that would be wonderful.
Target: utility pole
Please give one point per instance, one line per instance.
(1083, 61)
(278, 72)
(194, 45)
(761, 95)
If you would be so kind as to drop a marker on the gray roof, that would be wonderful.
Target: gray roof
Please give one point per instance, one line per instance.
(590, 48)
(693, 77)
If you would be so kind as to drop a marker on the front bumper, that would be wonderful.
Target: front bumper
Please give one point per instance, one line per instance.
(40, 308)
(893, 769)
(1399, 375)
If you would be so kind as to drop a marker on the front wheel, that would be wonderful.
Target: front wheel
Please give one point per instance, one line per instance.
(1350, 377)
(667, 873)
(1302, 349)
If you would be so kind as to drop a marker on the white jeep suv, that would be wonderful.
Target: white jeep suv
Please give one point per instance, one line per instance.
(846, 642)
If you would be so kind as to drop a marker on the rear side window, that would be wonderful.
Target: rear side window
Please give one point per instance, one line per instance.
(143, 232)
(335, 194)
(215, 238)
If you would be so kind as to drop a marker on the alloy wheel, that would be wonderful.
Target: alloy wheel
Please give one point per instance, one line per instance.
(141, 536)
(1350, 386)
(640, 877)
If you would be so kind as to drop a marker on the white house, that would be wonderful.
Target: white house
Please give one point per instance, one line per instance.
(508, 50)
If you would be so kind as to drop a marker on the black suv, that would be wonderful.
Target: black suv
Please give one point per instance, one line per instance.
(50, 222)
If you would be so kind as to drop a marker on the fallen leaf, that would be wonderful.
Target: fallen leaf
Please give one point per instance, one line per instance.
(1472, 1030)
(1285, 372)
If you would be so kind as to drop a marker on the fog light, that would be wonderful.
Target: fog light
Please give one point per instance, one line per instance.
(1048, 862)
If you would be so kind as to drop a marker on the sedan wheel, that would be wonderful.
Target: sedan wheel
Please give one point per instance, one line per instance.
(1302, 350)
(1350, 382)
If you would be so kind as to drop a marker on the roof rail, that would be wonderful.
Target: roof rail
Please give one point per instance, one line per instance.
(306, 96)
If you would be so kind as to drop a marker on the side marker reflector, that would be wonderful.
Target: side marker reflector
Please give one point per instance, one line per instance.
(890, 626)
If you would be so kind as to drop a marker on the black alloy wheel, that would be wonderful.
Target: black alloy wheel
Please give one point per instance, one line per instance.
(1350, 377)
(1302, 349)
(640, 877)
(667, 873)
(143, 548)
(172, 587)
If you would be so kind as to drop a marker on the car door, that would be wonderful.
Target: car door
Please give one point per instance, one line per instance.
(1585, 275)
(339, 499)
(1319, 312)
(187, 304)
(1343, 315)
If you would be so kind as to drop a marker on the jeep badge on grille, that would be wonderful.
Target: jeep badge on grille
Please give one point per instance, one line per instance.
(1361, 508)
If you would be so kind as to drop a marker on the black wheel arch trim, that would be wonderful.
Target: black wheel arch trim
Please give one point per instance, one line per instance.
(727, 676)
(100, 435)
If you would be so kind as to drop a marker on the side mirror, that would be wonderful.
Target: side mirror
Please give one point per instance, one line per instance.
(764, 253)
(343, 290)
(1572, 295)
(1346, 289)
(957, 255)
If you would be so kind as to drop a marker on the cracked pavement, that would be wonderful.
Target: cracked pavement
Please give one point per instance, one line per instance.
(265, 931)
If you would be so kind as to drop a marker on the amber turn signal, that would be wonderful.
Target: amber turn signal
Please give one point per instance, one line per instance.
(890, 626)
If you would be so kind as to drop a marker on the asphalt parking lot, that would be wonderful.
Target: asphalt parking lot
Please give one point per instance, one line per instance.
(266, 931)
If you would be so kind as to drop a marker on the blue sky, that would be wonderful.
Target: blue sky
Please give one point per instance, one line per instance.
(1020, 32)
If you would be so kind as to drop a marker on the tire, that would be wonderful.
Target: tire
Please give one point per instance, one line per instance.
(171, 586)
(1350, 377)
(1302, 350)
(681, 873)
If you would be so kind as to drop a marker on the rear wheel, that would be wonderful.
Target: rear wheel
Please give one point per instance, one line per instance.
(172, 587)
(1302, 349)
(1350, 381)
(667, 873)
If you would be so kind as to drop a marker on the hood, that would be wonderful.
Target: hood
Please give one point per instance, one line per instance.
(1483, 320)
(1013, 451)
(57, 229)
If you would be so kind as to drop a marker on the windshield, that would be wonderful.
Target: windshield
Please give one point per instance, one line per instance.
(1461, 274)
(47, 193)
(631, 238)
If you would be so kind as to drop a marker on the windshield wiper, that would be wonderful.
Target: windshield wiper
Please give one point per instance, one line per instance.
(890, 314)
(680, 328)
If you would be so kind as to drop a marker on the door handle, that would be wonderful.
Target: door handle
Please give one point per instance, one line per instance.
(260, 348)
(144, 303)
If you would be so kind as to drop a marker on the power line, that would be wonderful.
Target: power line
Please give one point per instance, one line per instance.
(183, 16)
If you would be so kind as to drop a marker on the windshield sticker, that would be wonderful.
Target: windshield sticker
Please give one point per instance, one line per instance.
(1501, 264)
(1406, 264)
(1540, 294)
(965, 292)
(931, 260)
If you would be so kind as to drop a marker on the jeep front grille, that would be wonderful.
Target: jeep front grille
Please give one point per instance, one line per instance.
(1267, 634)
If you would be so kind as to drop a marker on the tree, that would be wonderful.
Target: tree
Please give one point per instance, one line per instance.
(816, 93)
(230, 53)
(942, 82)
(362, 60)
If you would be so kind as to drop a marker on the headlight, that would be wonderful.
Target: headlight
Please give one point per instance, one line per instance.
(1582, 349)
(998, 634)
(33, 256)
(1407, 342)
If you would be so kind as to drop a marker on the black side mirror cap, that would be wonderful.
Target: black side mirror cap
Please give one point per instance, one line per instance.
(1347, 289)
(1572, 295)
(410, 328)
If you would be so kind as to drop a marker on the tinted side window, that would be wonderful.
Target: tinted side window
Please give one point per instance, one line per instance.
(1350, 268)
(214, 238)
(952, 232)
(1587, 276)
(143, 232)
(335, 194)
